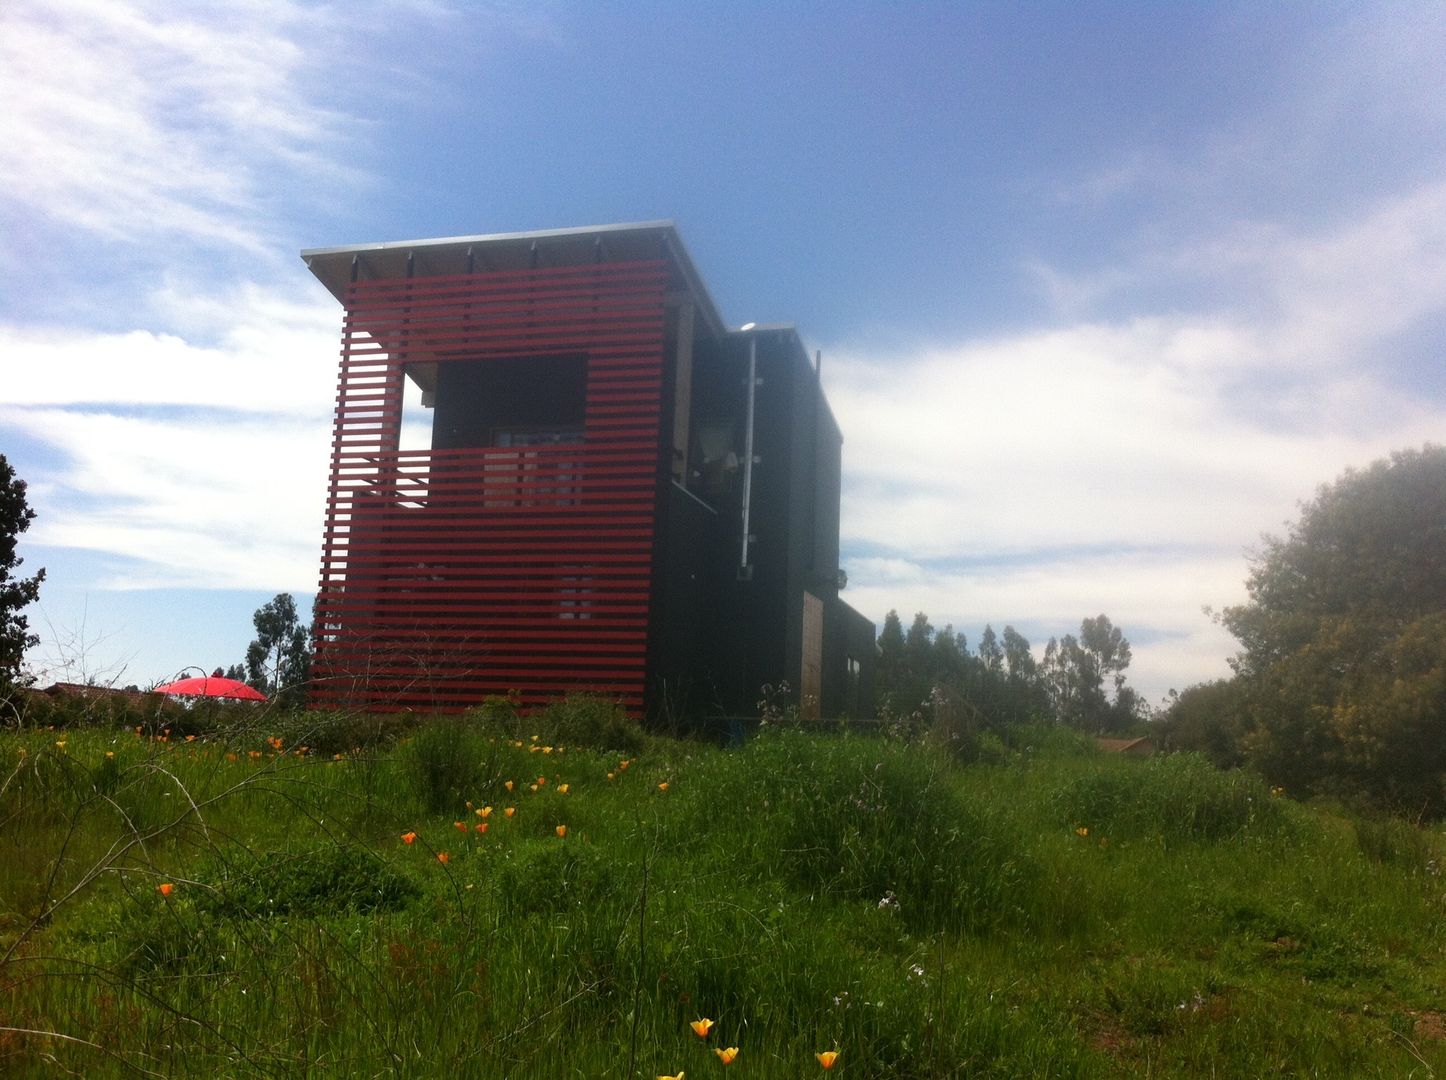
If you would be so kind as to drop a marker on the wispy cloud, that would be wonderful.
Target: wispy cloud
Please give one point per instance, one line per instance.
(146, 119)
(202, 501)
(1125, 465)
(269, 354)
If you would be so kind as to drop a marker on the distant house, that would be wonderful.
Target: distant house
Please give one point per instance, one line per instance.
(87, 692)
(612, 490)
(1144, 746)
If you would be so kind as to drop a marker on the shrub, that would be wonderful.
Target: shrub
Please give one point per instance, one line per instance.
(1176, 796)
(322, 882)
(1392, 842)
(594, 722)
(858, 818)
(556, 877)
(449, 760)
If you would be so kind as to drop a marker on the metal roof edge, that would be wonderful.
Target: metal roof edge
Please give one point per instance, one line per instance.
(486, 238)
(666, 227)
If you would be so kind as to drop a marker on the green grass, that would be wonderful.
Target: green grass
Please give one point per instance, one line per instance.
(1051, 913)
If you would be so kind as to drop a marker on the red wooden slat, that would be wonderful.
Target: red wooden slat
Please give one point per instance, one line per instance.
(451, 575)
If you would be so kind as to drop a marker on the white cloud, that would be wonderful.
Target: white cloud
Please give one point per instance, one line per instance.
(142, 120)
(272, 353)
(1172, 440)
(230, 502)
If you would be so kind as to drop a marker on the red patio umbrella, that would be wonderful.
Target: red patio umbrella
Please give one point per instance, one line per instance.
(211, 686)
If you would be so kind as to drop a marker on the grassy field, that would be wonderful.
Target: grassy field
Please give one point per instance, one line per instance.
(237, 906)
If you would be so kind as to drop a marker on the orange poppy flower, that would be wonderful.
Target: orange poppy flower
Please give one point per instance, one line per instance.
(561, 831)
(701, 1027)
(443, 858)
(510, 811)
(484, 811)
(408, 837)
(663, 786)
(508, 785)
(562, 789)
(612, 776)
(460, 826)
(481, 826)
(678, 1077)
(165, 888)
(726, 1055)
(541, 780)
(827, 1058)
(1083, 830)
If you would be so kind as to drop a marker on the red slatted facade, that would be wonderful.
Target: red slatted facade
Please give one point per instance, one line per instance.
(449, 575)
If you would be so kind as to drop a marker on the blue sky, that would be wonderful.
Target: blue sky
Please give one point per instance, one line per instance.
(1103, 290)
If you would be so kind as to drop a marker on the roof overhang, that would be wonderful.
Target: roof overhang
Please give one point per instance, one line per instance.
(337, 267)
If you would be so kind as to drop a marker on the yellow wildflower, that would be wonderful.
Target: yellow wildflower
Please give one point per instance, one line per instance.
(827, 1058)
(726, 1054)
(561, 831)
(701, 1027)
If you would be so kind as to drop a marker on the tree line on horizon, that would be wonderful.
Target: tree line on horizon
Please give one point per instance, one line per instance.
(1339, 687)
(1079, 683)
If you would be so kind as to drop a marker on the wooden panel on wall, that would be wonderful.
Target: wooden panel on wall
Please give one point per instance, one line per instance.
(810, 685)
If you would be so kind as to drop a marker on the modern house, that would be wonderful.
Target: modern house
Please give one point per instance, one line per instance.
(603, 487)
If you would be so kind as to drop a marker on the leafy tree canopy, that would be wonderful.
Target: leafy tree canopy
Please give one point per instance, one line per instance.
(1343, 656)
(278, 661)
(15, 592)
(1370, 547)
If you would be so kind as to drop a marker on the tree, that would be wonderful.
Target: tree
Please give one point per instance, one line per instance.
(990, 654)
(1075, 669)
(278, 661)
(15, 592)
(1343, 640)
(1018, 658)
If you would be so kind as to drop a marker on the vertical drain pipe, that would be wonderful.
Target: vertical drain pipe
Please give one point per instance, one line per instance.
(745, 569)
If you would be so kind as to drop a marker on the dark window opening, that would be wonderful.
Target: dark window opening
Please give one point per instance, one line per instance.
(510, 401)
(715, 456)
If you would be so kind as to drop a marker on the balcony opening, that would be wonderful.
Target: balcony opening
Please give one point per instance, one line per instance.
(509, 401)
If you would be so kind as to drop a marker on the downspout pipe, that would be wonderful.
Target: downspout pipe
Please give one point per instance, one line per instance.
(745, 569)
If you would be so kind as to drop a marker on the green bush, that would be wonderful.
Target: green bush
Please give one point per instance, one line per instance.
(593, 722)
(449, 759)
(1393, 842)
(1174, 796)
(326, 881)
(555, 877)
(857, 818)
